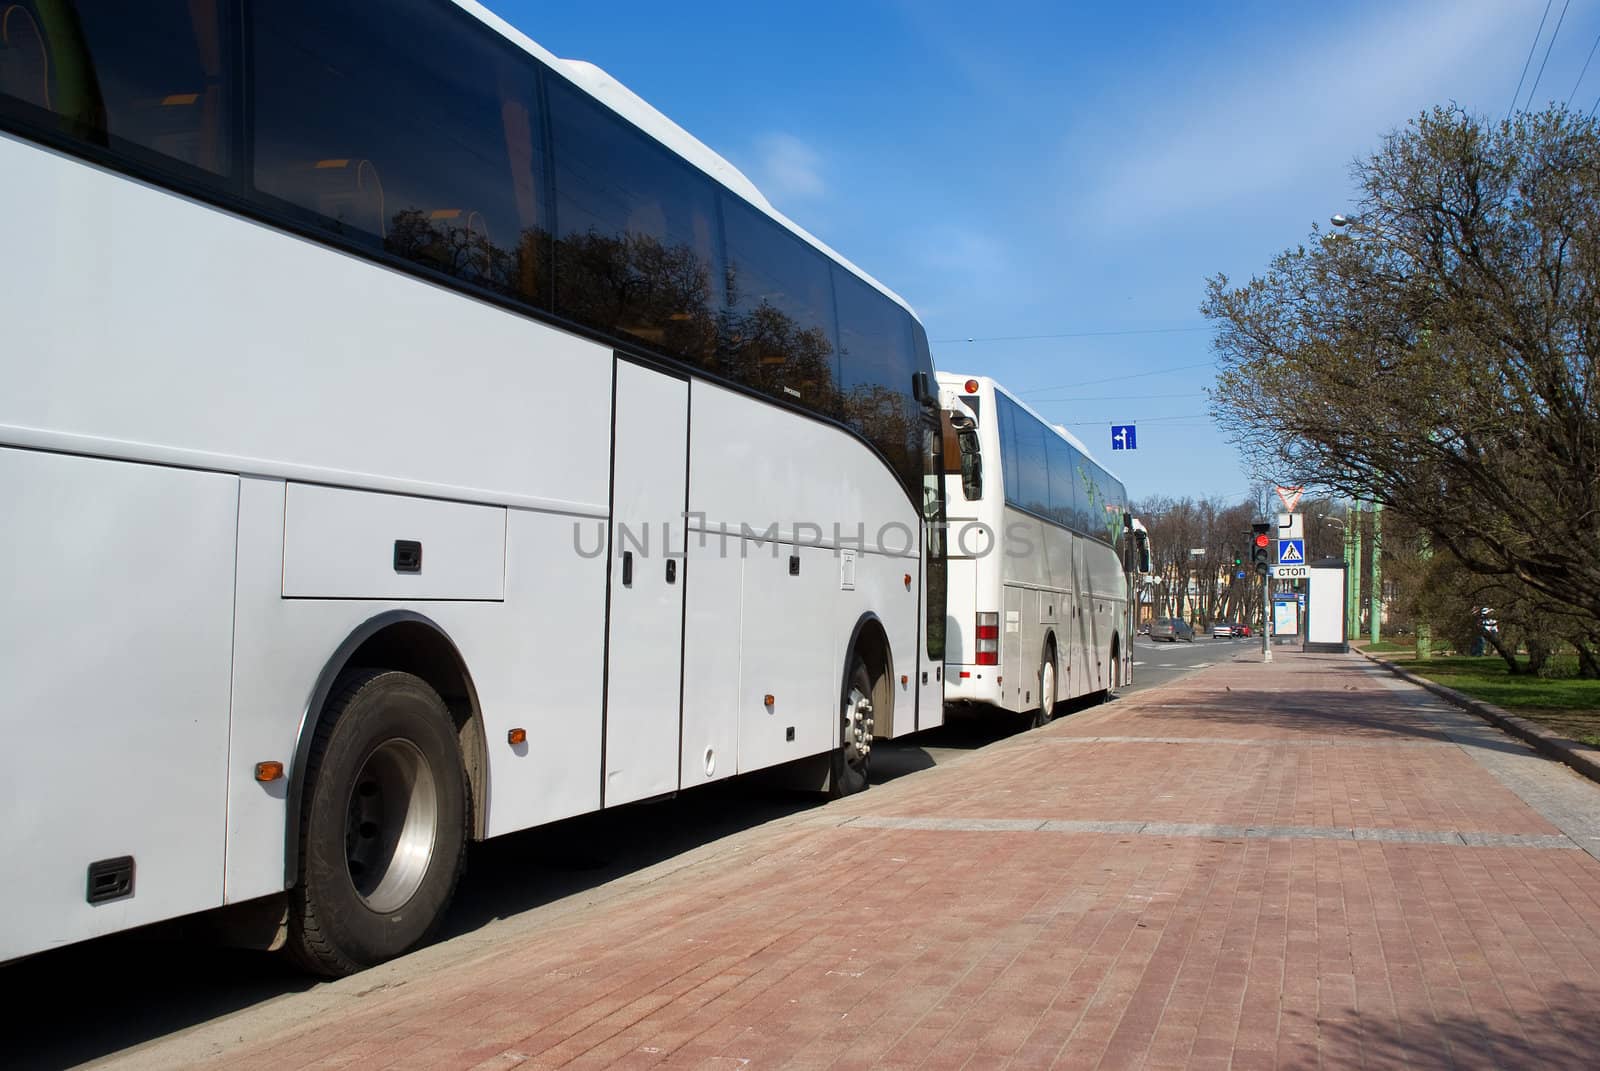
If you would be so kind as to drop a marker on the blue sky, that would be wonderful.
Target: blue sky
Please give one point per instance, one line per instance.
(1042, 169)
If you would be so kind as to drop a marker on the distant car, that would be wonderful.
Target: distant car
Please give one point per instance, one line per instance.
(1144, 629)
(1221, 630)
(1171, 629)
(1241, 630)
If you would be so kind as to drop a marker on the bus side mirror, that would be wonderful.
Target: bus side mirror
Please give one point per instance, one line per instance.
(1141, 543)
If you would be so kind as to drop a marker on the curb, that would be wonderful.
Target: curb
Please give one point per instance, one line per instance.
(1581, 757)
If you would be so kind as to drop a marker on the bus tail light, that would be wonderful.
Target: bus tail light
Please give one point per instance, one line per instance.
(988, 648)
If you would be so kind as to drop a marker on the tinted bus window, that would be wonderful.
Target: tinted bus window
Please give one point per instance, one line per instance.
(1007, 414)
(637, 249)
(876, 365)
(1064, 493)
(1031, 461)
(778, 333)
(147, 79)
(414, 132)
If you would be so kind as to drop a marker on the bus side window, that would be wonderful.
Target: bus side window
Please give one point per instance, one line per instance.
(629, 256)
(24, 60)
(419, 97)
(144, 79)
(778, 336)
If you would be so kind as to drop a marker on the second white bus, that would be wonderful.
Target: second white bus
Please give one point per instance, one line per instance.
(1038, 594)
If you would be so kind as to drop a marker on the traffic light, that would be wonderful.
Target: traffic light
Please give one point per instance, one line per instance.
(1237, 561)
(1261, 547)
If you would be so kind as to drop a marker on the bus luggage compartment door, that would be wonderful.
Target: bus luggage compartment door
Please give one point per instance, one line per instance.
(644, 642)
(116, 629)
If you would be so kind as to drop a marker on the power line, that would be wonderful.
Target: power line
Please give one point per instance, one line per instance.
(1109, 398)
(1583, 72)
(1118, 379)
(1132, 420)
(1515, 93)
(1077, 334)
(1553, 35)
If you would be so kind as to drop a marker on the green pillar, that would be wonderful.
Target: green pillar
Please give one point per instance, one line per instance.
(1352, 533)
(1377, 575)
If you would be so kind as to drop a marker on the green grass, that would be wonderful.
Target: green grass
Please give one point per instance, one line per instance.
(1384, 646)
(1560, 702)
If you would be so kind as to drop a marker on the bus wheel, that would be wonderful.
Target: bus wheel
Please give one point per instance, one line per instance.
(383, 825)
(1047, 687)
(849, 772)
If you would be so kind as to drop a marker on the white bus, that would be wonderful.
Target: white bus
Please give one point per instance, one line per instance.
(1038, 595)
(409, 437)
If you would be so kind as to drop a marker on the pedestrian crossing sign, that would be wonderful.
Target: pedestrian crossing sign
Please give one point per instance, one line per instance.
(1291, 552)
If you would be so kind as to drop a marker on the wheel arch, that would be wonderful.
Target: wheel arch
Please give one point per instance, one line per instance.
(1052, 647)
(410, 642)
(870, 640)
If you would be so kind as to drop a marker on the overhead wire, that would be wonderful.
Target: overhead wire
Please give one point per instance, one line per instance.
(1076, 334)
(1117, 379)
(1108, 398)
(1583, 72)
(1132, 420)
(1553, 35)
(1515, 93)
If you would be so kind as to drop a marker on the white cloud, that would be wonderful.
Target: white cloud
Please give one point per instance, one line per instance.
(789, 169)
(1287, 113)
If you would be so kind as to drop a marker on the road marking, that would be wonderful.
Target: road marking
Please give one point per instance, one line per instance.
(1138, 663)
(1246, 741)
(1452, 837)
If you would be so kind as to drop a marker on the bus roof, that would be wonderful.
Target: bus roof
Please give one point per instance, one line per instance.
(636, 110)
(1077, 443)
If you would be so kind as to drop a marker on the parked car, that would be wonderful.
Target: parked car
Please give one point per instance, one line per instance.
(1241, 629)
(1171, 629)
(1222, 630)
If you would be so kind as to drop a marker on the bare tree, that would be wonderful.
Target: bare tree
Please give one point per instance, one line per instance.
(1441, 357)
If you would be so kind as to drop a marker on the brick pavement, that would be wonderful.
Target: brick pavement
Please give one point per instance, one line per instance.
(1292, 865)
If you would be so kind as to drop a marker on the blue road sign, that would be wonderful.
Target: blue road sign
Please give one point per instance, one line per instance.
(1124, 437)
(1291, 552)
(1239, 575)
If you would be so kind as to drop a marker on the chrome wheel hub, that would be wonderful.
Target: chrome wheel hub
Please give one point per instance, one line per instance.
(391, 823)
(858, 727)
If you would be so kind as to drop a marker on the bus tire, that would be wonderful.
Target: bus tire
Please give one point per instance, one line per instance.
(383, 826)
(1048, 686)
(848, 774)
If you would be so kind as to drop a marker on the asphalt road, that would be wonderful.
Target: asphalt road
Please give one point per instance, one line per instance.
(1160, 662)
(98, 998)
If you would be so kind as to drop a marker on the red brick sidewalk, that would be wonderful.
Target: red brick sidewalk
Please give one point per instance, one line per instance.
(1285, 865)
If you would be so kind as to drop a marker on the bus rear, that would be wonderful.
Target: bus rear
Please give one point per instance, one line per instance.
(975, 504)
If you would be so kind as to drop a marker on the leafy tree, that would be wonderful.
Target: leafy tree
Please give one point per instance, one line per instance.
(1440, 357)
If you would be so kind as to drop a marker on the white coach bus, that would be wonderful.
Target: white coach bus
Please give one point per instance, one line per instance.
(409, 437)
(1038, 594)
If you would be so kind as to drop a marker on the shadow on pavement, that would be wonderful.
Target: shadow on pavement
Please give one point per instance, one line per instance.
(99, 997)
(1553, 1038)
(1353, 711)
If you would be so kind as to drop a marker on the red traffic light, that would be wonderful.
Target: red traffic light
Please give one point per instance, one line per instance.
(1262, 540)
